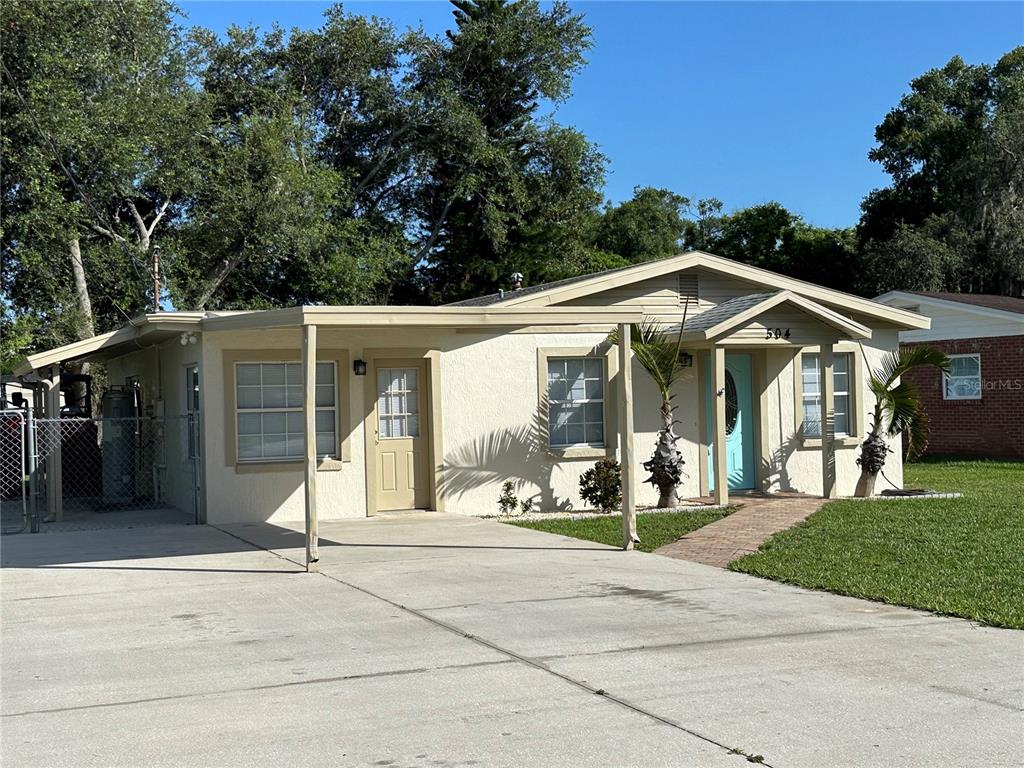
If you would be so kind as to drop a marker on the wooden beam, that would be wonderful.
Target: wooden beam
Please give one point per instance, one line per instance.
(718, 420)
(828, 422)
(309, 411)
(625, 420)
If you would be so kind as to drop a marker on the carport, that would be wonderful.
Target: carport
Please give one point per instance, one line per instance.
(307, 320)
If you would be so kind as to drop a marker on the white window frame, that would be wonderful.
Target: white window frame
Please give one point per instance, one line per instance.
(851, 361)
(603, 400)
(333, 454)
(193, 449)
(947, 378)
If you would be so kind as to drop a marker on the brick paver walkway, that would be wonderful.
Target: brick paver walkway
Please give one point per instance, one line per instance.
(744, 530)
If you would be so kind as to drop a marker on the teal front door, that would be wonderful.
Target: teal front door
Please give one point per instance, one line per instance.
(739, 422)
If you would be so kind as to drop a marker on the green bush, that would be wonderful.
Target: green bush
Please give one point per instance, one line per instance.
(601, 485)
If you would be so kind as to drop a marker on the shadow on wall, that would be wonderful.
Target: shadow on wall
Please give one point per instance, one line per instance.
(774, 468)
(519, 454)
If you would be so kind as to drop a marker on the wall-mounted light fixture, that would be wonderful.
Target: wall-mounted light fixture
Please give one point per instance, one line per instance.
(685, 360)
(359, 367)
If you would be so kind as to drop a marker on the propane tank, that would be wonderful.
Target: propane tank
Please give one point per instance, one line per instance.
(118, 445)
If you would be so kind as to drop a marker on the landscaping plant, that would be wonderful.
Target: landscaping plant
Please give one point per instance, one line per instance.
(508, 502)
(601, 485)
(897, 411)
(658, 352)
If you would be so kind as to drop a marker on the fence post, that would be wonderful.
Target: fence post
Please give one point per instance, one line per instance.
(54, 467)
(33, 474)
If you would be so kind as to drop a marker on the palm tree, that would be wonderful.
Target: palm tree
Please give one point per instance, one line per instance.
(897, 410)
(658, 353)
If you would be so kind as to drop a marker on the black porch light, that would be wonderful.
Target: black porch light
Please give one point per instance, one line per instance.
(359, 367)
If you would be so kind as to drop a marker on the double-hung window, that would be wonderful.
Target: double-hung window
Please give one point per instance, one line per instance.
(963, 382)
(576, 401)
(841, 379)
(268, 411)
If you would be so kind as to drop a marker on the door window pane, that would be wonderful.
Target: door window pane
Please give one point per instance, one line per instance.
(397, 402)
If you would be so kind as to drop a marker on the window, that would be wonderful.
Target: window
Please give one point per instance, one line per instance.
(963, 382)
(397, 403)
(268, 411)
(841, 380)
(576, 401)
(192, 410)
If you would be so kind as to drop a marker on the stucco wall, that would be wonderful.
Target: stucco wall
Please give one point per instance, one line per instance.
(794, 466)
(490, 427)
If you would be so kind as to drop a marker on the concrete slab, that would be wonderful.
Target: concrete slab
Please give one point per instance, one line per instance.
(432, 639)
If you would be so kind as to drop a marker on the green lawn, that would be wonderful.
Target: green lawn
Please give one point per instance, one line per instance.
(962, 557)
(654, 529)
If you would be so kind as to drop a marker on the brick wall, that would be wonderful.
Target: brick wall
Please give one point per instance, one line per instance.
(992, 426)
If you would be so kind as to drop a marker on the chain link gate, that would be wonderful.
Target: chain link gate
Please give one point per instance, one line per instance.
(15, 470)
(99, 465)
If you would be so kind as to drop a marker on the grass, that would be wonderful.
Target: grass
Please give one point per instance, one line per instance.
(960, 557)
(654, 529)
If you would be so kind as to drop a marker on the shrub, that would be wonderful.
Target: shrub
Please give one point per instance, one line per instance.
(601, 485)
(508, 502)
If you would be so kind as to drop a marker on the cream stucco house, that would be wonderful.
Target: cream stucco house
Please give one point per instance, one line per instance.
(435, 407)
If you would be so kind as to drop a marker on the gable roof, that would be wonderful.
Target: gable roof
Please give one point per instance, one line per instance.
(571, 288)
(740, 310)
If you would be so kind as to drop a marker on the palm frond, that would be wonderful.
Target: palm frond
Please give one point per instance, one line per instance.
(895, 364)
(657, 347)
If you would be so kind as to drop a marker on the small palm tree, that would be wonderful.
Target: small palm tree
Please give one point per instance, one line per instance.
(658, 352)
(897, 411)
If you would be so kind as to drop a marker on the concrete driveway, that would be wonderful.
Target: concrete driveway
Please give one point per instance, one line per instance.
(442, 641)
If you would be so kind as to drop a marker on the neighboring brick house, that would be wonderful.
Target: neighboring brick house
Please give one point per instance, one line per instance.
(978, 408)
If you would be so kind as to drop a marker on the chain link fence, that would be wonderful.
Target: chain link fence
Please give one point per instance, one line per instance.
(14, 471)
(99, 465)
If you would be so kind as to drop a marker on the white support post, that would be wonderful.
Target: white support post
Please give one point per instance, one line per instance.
(309, 411)
(54, 453)
(629, 535)
(828, 423)
(718, 419)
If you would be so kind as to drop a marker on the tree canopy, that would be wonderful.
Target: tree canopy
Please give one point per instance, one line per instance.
(358, 163)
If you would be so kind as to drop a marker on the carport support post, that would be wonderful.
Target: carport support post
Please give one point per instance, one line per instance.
(309, 411)
(828, 422)
(54, 457)
(629, 537)
(718, 418)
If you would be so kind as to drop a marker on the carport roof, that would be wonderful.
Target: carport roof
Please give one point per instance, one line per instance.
(155, 328)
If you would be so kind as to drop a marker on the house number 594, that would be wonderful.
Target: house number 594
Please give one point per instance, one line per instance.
(777, 333)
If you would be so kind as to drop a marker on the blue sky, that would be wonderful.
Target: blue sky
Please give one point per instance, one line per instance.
(746, 102)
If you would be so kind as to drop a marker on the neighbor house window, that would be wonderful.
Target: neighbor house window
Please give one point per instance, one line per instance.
(576, 401)
(811, 379)
(963, 382)
(268, 411)
(192, 409)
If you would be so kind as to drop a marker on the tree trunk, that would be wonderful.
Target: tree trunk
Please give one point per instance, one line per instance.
(84, 328)
(668, 497)
(865, 485)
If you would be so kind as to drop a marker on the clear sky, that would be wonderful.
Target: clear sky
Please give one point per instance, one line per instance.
(747, 102)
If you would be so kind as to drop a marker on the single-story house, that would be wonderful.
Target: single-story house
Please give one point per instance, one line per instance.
(359, 410)
(978, 407)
